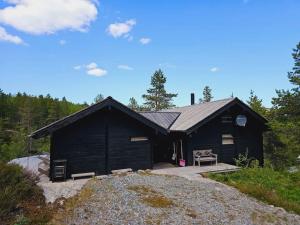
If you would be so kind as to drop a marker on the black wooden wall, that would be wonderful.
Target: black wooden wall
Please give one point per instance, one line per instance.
(101, 143)
(209, 136)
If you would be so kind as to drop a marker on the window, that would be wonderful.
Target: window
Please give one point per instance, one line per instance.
(226, 119)
(135, 139)
(227, 139)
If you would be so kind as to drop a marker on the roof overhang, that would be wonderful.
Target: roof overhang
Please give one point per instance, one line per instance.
(106, 103)
(235, 101)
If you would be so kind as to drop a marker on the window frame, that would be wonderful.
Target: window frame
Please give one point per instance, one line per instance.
(227, 139)
(227, 119)
(138, 138)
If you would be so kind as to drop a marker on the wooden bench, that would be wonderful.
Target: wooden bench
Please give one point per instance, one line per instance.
(76, 175)
(205, 155)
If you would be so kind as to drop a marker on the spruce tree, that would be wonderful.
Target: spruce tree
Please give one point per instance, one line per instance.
(133, 104)
(283, 141)
(207, 96)
(157, 97)
(287, 102)
(99, 98)
(256, 104)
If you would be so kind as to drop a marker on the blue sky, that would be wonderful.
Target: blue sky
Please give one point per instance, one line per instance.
(113, 47)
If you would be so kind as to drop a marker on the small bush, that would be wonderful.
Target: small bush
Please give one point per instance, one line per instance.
(242, 160)
(18, 190)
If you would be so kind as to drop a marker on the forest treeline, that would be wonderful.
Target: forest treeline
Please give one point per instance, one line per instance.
(21, 114)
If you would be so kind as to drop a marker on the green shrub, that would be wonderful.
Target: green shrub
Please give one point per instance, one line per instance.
(278, 188)
(16, 187)
(242, 160)
(22, 221)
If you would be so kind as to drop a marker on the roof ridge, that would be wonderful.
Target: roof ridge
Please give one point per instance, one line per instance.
(156, 112)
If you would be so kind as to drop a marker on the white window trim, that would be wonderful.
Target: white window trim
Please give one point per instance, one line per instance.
(226, 119)
(227, 139)
(136, 139)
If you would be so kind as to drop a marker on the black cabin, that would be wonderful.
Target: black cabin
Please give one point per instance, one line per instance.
(108, 136)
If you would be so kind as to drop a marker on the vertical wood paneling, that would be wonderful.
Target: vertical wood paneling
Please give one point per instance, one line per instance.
(101, 143)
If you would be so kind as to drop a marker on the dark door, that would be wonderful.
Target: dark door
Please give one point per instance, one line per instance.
(163, 150)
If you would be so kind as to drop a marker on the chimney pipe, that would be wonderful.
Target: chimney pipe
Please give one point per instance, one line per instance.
(192, 98)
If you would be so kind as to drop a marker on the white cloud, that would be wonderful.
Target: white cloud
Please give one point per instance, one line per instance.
(94, 70)
(125, 67)
(47, 17)
(77, 67)
(214, 69)
(145, 41)
(92, 65)
(4, 36)
(128, 37)
(98, 72)
(62, 42)
(121, 29)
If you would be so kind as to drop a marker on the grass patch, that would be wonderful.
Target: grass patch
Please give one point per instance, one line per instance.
(151, 197)
(21, 200)
(70, 204)
(281, 189)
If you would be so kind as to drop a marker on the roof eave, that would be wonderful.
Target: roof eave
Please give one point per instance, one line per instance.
(109, 101)
(221, 110)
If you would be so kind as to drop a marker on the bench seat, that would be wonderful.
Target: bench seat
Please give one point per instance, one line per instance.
(76, 175)
(206, 159)
(205, 155)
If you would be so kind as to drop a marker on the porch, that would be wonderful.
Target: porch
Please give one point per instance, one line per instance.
(191, 171)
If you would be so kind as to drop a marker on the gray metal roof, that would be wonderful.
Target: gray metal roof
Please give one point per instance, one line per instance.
(193, 114)
(164, 119)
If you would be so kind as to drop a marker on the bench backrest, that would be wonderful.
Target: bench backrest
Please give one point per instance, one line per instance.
(202, 153)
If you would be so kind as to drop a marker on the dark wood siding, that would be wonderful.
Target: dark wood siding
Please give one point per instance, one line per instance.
(123, 153)
(101, 142)
(209, 136)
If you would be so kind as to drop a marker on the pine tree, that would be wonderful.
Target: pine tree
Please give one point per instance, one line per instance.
(99, 98)
(26, 115)
(53, 111)
(287, 102)
(133, 104)
(294, 76)
(283, 140)
(256, 104)
(157, 98)
(207, 96)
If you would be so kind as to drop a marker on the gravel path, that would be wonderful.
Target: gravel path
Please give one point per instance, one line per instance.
(157, 199)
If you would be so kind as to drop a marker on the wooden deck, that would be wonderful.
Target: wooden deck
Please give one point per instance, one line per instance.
(164, 169)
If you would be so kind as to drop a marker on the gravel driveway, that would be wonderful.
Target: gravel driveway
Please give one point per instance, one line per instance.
(159, 199)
